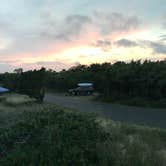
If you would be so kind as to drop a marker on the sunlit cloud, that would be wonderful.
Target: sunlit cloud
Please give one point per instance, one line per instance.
(39, 33)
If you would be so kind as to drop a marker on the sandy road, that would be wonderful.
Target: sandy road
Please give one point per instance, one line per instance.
(145, 116)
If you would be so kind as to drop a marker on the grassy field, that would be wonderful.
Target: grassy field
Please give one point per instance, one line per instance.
(34, 134)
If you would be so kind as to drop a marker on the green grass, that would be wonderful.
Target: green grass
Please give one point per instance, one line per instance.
(47, 135)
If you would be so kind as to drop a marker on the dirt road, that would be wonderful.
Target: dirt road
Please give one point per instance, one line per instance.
(145, 116)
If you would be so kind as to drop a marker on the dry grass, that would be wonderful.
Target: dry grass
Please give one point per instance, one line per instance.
(46, 134)
(15, 99)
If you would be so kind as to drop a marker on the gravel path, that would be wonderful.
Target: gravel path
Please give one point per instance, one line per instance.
(145, 116)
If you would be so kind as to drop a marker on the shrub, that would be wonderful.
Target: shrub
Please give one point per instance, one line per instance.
(55, 136)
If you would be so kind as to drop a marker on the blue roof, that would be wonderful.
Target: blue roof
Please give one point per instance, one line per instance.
(85, 84)
(2, 90)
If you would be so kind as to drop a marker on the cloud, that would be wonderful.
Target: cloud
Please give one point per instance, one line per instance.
(75, 25)
(126, 43)
(103, 44)
(157, 46)
(67, 29)
(10, 61)
(115, 22)
(46, 32)
(6, 67)
(32, 30)
(162, 38)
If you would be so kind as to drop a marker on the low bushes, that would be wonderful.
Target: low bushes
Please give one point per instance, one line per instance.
(54, 136)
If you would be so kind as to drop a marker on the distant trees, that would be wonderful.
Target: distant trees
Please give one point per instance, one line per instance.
(146, 80)
(18, 70)
(31, 83)
(117, 81)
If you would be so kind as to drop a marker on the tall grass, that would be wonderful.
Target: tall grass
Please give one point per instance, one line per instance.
(50, 136)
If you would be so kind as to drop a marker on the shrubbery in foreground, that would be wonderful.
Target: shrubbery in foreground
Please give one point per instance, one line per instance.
(55, 136)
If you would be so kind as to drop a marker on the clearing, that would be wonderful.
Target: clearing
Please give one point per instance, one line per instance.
(145, 116)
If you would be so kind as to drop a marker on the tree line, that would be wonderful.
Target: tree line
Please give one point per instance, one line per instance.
(119, 80)
(146, 80)
(30, 82)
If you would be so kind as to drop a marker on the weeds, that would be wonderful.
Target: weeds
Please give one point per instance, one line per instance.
(49, 135)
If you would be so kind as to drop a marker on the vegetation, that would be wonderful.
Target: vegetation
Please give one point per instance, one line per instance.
(42, 134)
(15, 99)
(135, 83)
(31, 82)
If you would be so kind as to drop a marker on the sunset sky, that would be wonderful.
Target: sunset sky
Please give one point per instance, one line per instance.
(59, 34)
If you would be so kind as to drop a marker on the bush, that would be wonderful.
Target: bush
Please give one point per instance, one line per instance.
(55, 136)
(52, 138)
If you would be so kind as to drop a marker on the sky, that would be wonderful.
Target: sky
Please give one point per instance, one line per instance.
(59, 34)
